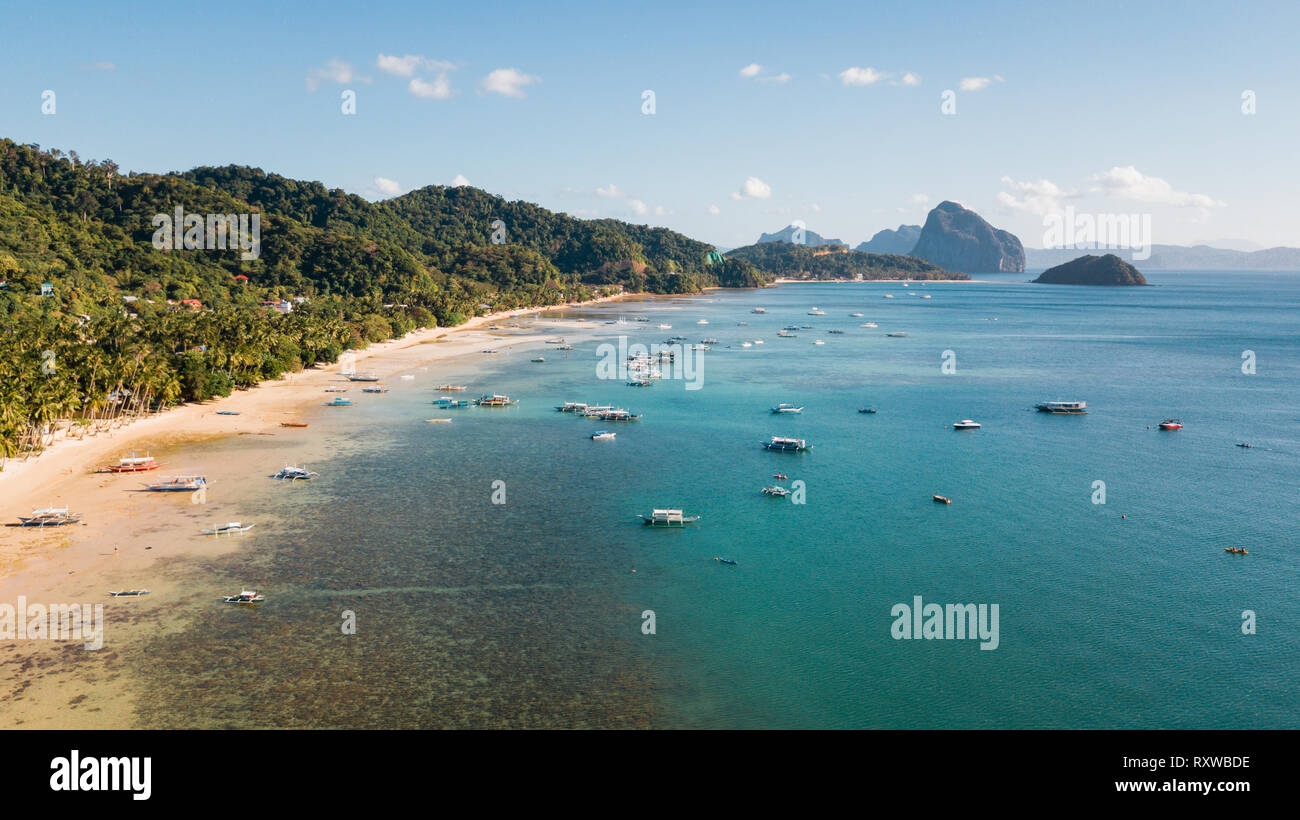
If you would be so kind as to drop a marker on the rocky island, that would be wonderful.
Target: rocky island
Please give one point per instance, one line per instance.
(1107, 270)
(959, 239)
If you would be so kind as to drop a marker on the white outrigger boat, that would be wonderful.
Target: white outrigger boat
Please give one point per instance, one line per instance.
(668, 518)
(178, 484)
(231, 528)
(362, 377)
(128, 593)
(785, 444)
(379, 388)
(289, 473)
(49, 517)
(245, 596)
(776, 491)
(495, 400)
(1077, 408)
(451, 388)
(785, 408)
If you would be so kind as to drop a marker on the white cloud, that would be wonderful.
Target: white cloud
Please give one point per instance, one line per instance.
(910, 79)
(388, 187)
(918, 199)
(101, 66)
(335, 70)
(753, 188)
(750, 70)
(508, 82)
(715, 210)
(1130, 183)
(610, 192)
(978, 83)
(638, 207)
(661, 211)
(861, 76)
(459, 181)
(401, 66)
(816, 208)
(439, 89)
(1040, 198)
(776, 78)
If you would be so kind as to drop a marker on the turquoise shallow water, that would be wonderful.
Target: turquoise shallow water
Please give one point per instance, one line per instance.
(528, 613)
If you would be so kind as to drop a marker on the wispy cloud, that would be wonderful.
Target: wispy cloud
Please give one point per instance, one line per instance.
(862, 76)
(1130, 183)
(1040, 198)
(101, 66)
(388, 187)
(400, 66)
(439, 89)
(753, 188)
(754, 71)
(978, 83)
(611, 191)
(750, 71)
(508, 82)
(335, 71)
(776, 78)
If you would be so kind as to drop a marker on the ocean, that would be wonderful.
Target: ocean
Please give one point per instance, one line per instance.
(535, 612)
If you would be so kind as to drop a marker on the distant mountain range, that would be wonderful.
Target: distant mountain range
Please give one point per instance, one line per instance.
(1178, 257)
(887, 241)
(810, 238)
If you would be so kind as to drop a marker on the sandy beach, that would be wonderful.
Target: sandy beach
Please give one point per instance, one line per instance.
(127, 533)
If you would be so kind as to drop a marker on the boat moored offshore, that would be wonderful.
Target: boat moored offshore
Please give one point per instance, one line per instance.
(178, 483)
(785, 444)
(668, 518)
(495, 400)
(785, 408)
(1067, 407)
(133, 464)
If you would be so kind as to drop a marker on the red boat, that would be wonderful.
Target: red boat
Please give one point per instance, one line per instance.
(1171, 424)
(133, 464)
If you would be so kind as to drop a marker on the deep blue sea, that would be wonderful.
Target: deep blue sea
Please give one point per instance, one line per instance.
(1123, 614)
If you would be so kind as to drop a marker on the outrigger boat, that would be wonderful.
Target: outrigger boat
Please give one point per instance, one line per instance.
(451, 404)
(784, 444)
(336, 390)
(1076, 408)
(785, 334)
(785, 408)
(379, 388)
(539, 359)
(668, 518)
(572, 407)
(451, 388)
(868, 324)
(232, 528)
(339, 402)
(132, 464)
(866, 410)
(178, 484)
(1243, 444)
(618, 414)
(776, 491)
(245, 596)
(50, 517)
(495, 400)
(227, 412)
(288, 473)
(128, 593)
(640, 383)
(362, 377)
(816, 312)
(941, 499)
(725, 561)
(898, 334)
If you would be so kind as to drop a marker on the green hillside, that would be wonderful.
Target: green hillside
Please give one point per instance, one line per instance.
(792, 261)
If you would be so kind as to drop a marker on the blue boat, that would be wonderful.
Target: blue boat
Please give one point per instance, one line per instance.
(726, 561)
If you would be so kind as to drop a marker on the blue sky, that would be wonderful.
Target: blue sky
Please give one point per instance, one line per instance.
(1107, 108)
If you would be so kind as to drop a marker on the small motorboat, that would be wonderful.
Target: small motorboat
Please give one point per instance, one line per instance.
(1243, 444)
(966, 424)
(941, 499)
(439, 421)
(1236, 551)
(379, 388)
(1171, 424)
(866, 410)
(896, 335)
(293, 424)
(232, 528)
(819, 342)
(245, 596)
(288, 473)
(128, 593)
(787, 408)
(539, 359)
(776, 491)
(868, 324)
(603, 435)
(726, 561)
(227, 412)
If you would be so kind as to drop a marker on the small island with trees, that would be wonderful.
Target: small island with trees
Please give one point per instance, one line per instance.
(1108, 270)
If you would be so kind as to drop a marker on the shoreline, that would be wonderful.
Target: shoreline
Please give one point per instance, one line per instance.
(784, 280)
(22, 482)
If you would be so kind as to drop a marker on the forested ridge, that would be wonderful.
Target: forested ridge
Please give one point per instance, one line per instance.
(126, 328)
